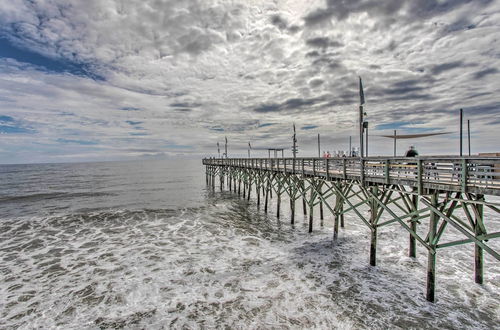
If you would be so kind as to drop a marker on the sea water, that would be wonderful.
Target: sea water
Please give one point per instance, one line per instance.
(147, 245)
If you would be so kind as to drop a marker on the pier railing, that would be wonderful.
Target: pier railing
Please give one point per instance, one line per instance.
(463, 174)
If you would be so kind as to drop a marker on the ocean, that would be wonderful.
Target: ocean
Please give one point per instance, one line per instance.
(147, 245)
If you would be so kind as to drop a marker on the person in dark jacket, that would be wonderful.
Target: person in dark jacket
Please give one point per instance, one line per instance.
(412, 152)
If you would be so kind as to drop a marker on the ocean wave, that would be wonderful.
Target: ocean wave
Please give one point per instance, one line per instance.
(225, 264)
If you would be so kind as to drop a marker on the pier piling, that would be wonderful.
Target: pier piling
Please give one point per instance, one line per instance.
(438, 191)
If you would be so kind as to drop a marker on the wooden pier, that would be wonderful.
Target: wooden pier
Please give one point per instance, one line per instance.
(416, 193)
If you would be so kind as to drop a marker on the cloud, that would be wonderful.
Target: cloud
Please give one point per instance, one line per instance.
(80, 142)
(483, 73)
(407, 10)
(9, 125)
(133, 123)
(322, 42)
(440, 68)
(140, 77)
(290, 104)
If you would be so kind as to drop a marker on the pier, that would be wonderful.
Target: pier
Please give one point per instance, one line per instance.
(424, 195)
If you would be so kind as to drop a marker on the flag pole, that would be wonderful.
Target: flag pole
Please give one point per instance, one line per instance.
(395, 143)
(294, 143)
(319, 152)
(225, 147)
(366, 154)
(461, 131)
(468, 134)
(350, 146)
(361, 102)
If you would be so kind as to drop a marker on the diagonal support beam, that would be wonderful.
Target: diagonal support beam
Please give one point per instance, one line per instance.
(462, 230)
(403, 224)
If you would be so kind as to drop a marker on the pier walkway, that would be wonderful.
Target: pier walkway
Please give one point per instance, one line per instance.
(438, 191)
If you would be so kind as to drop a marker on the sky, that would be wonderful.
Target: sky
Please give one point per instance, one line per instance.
(101, 80)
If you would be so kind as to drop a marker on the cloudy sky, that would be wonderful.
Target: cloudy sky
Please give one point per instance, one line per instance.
(126, 79)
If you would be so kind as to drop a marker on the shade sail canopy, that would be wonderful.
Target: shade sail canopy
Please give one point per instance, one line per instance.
(266, 148)
(412, 136)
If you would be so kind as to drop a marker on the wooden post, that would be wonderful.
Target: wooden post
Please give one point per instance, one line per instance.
(249, 187)
(336, 214)
(257, 192)
(244, 189)
(413, 225)
(431, 261)
(266, 198)
(278, 199)
(311, 207)
(303, 198)
(292, 210)
(336, 227)
(478, 252)
(320, 188)
(342, 214)
(373, 220)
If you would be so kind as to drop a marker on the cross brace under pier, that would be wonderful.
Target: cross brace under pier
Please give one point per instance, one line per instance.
(424, 196)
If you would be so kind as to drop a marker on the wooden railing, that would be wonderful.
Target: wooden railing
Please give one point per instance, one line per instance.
(465, 174)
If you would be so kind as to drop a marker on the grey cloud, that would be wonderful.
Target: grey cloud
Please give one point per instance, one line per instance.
(323, 42)
(313, 53)
(281, 23)
(290, 104)
(341, 9)
(316, 82)
(326, 61)
(440, 68)
(486, 72)
(185, 105)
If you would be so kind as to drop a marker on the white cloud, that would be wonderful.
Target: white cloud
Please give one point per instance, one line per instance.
(190, 69)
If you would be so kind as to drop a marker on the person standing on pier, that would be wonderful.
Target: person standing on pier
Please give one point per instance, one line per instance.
(412, 152)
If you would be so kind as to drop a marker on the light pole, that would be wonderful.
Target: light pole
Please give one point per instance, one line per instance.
(294, 138)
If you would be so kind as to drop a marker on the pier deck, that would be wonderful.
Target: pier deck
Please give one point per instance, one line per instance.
(465, 174)
(438, 191)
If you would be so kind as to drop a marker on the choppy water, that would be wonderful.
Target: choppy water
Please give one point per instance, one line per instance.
(147, 245)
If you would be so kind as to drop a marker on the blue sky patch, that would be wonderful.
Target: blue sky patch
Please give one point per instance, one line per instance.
(6, 119)
(4, 129)
(308, 127)
(403, 125)
(130, 109)
(9, 125)
(178, 146)
(395, 125)
(133, 123)
(80, 142)
(56, 65)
